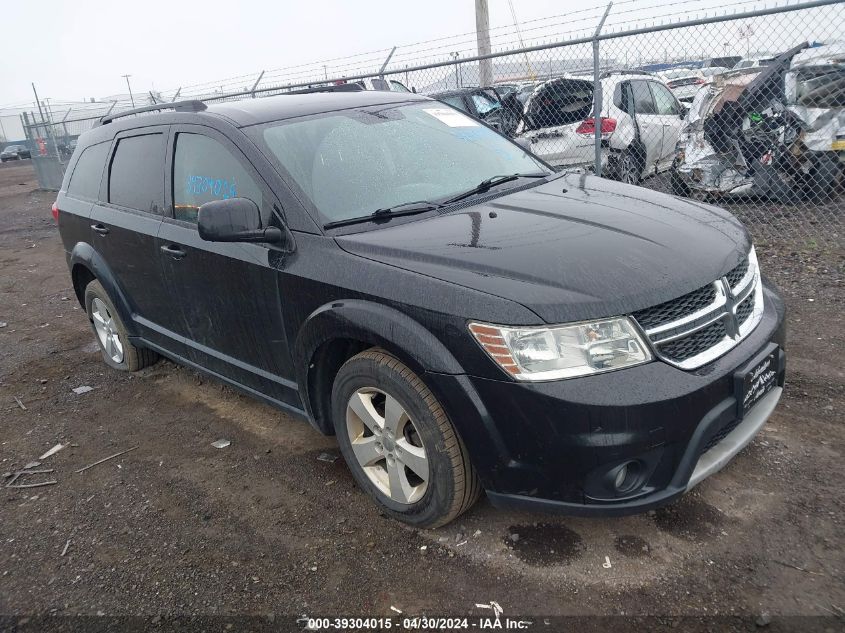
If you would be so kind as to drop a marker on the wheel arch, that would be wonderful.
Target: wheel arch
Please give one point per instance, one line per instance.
(337, 331)
(86, 265)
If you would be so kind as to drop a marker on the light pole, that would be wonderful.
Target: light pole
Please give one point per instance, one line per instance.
(131, 98)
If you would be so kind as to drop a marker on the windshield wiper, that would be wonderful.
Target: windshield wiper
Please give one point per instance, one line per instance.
(397, 210)
(493, 181)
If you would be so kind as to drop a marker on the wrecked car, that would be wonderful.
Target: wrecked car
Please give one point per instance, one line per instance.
(485, 104)
(639, 124)
(776, 132)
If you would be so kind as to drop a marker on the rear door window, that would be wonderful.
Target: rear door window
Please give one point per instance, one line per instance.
(643, 101)
(664, 99)
(204, 170)
(85, 180)
(136, 177)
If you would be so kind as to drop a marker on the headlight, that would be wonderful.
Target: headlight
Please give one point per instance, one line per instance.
(563, 351)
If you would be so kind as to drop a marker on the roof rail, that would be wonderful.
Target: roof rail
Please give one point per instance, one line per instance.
(191, 105)
(348, 87)
(623, 71)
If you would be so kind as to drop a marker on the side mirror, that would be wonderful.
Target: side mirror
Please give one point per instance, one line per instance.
(234, 220)
(414, 89)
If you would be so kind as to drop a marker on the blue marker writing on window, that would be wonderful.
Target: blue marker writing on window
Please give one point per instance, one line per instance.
(219, 188)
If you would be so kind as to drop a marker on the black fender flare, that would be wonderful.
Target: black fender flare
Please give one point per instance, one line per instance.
(83, 254)
(376, 325)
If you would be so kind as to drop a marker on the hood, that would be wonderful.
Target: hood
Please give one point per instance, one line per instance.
(573, 248)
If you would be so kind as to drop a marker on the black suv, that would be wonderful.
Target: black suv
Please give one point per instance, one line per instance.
(402, 276)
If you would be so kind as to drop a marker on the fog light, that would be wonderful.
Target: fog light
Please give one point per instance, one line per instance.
(621, 476)
(625, 477)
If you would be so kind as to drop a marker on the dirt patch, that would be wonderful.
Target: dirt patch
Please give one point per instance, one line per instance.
(632, 546)
(544, 544)
(689, 517)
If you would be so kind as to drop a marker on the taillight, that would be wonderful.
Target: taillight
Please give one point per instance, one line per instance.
(700, 81)
(55, 211)
(588, 126)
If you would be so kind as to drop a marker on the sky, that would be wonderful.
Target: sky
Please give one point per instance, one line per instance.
(77, 49)
(81, 48)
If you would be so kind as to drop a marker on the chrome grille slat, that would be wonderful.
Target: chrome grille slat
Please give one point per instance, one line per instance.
(689, 333)
(671, 311)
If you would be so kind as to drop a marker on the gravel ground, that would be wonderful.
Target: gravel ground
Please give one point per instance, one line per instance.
(179, 528)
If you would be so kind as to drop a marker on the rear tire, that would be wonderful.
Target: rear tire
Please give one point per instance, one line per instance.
(406, 454)
(111, 334)
(630, 168)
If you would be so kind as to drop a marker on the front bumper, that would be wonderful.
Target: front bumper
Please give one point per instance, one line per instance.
(550, 445)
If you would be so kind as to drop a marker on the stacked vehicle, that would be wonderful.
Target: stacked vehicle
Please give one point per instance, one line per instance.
(776, 131)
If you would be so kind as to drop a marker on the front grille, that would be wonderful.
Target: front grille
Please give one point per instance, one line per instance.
(685, 348)
(700, 326)
(737, 274)
(676, 308)
(744, 309)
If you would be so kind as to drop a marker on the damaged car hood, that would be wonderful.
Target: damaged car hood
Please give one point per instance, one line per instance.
(573, 248)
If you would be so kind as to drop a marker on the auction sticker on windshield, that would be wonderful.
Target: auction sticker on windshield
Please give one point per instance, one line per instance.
(450, 117)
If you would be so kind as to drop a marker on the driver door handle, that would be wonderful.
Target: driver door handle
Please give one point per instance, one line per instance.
(174, 251)
(99, 228)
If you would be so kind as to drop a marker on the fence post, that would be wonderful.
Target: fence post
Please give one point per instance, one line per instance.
(597, 96)
(254, 86)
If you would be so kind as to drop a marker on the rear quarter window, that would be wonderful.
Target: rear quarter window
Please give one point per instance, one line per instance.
(88, 172)
(136, 177)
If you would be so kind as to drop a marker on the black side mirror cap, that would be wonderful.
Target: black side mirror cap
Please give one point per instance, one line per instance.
(234, 220)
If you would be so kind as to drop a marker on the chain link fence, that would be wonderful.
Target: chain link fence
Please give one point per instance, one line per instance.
(744, 110)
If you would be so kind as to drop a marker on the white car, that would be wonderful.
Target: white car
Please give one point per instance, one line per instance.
(639, 124)
(753, 62)
(377, 83)
(683, 82)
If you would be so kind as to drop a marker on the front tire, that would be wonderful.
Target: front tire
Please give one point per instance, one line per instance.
(111, 334)
(399, 443)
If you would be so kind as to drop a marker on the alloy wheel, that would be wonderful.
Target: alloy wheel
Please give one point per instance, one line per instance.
(630, 170)
(106, 330)
(387, 445)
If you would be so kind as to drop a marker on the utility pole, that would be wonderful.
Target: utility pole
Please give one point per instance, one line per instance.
(482, 32)
(131, 98)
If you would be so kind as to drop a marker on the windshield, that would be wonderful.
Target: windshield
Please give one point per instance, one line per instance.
(350, 163)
